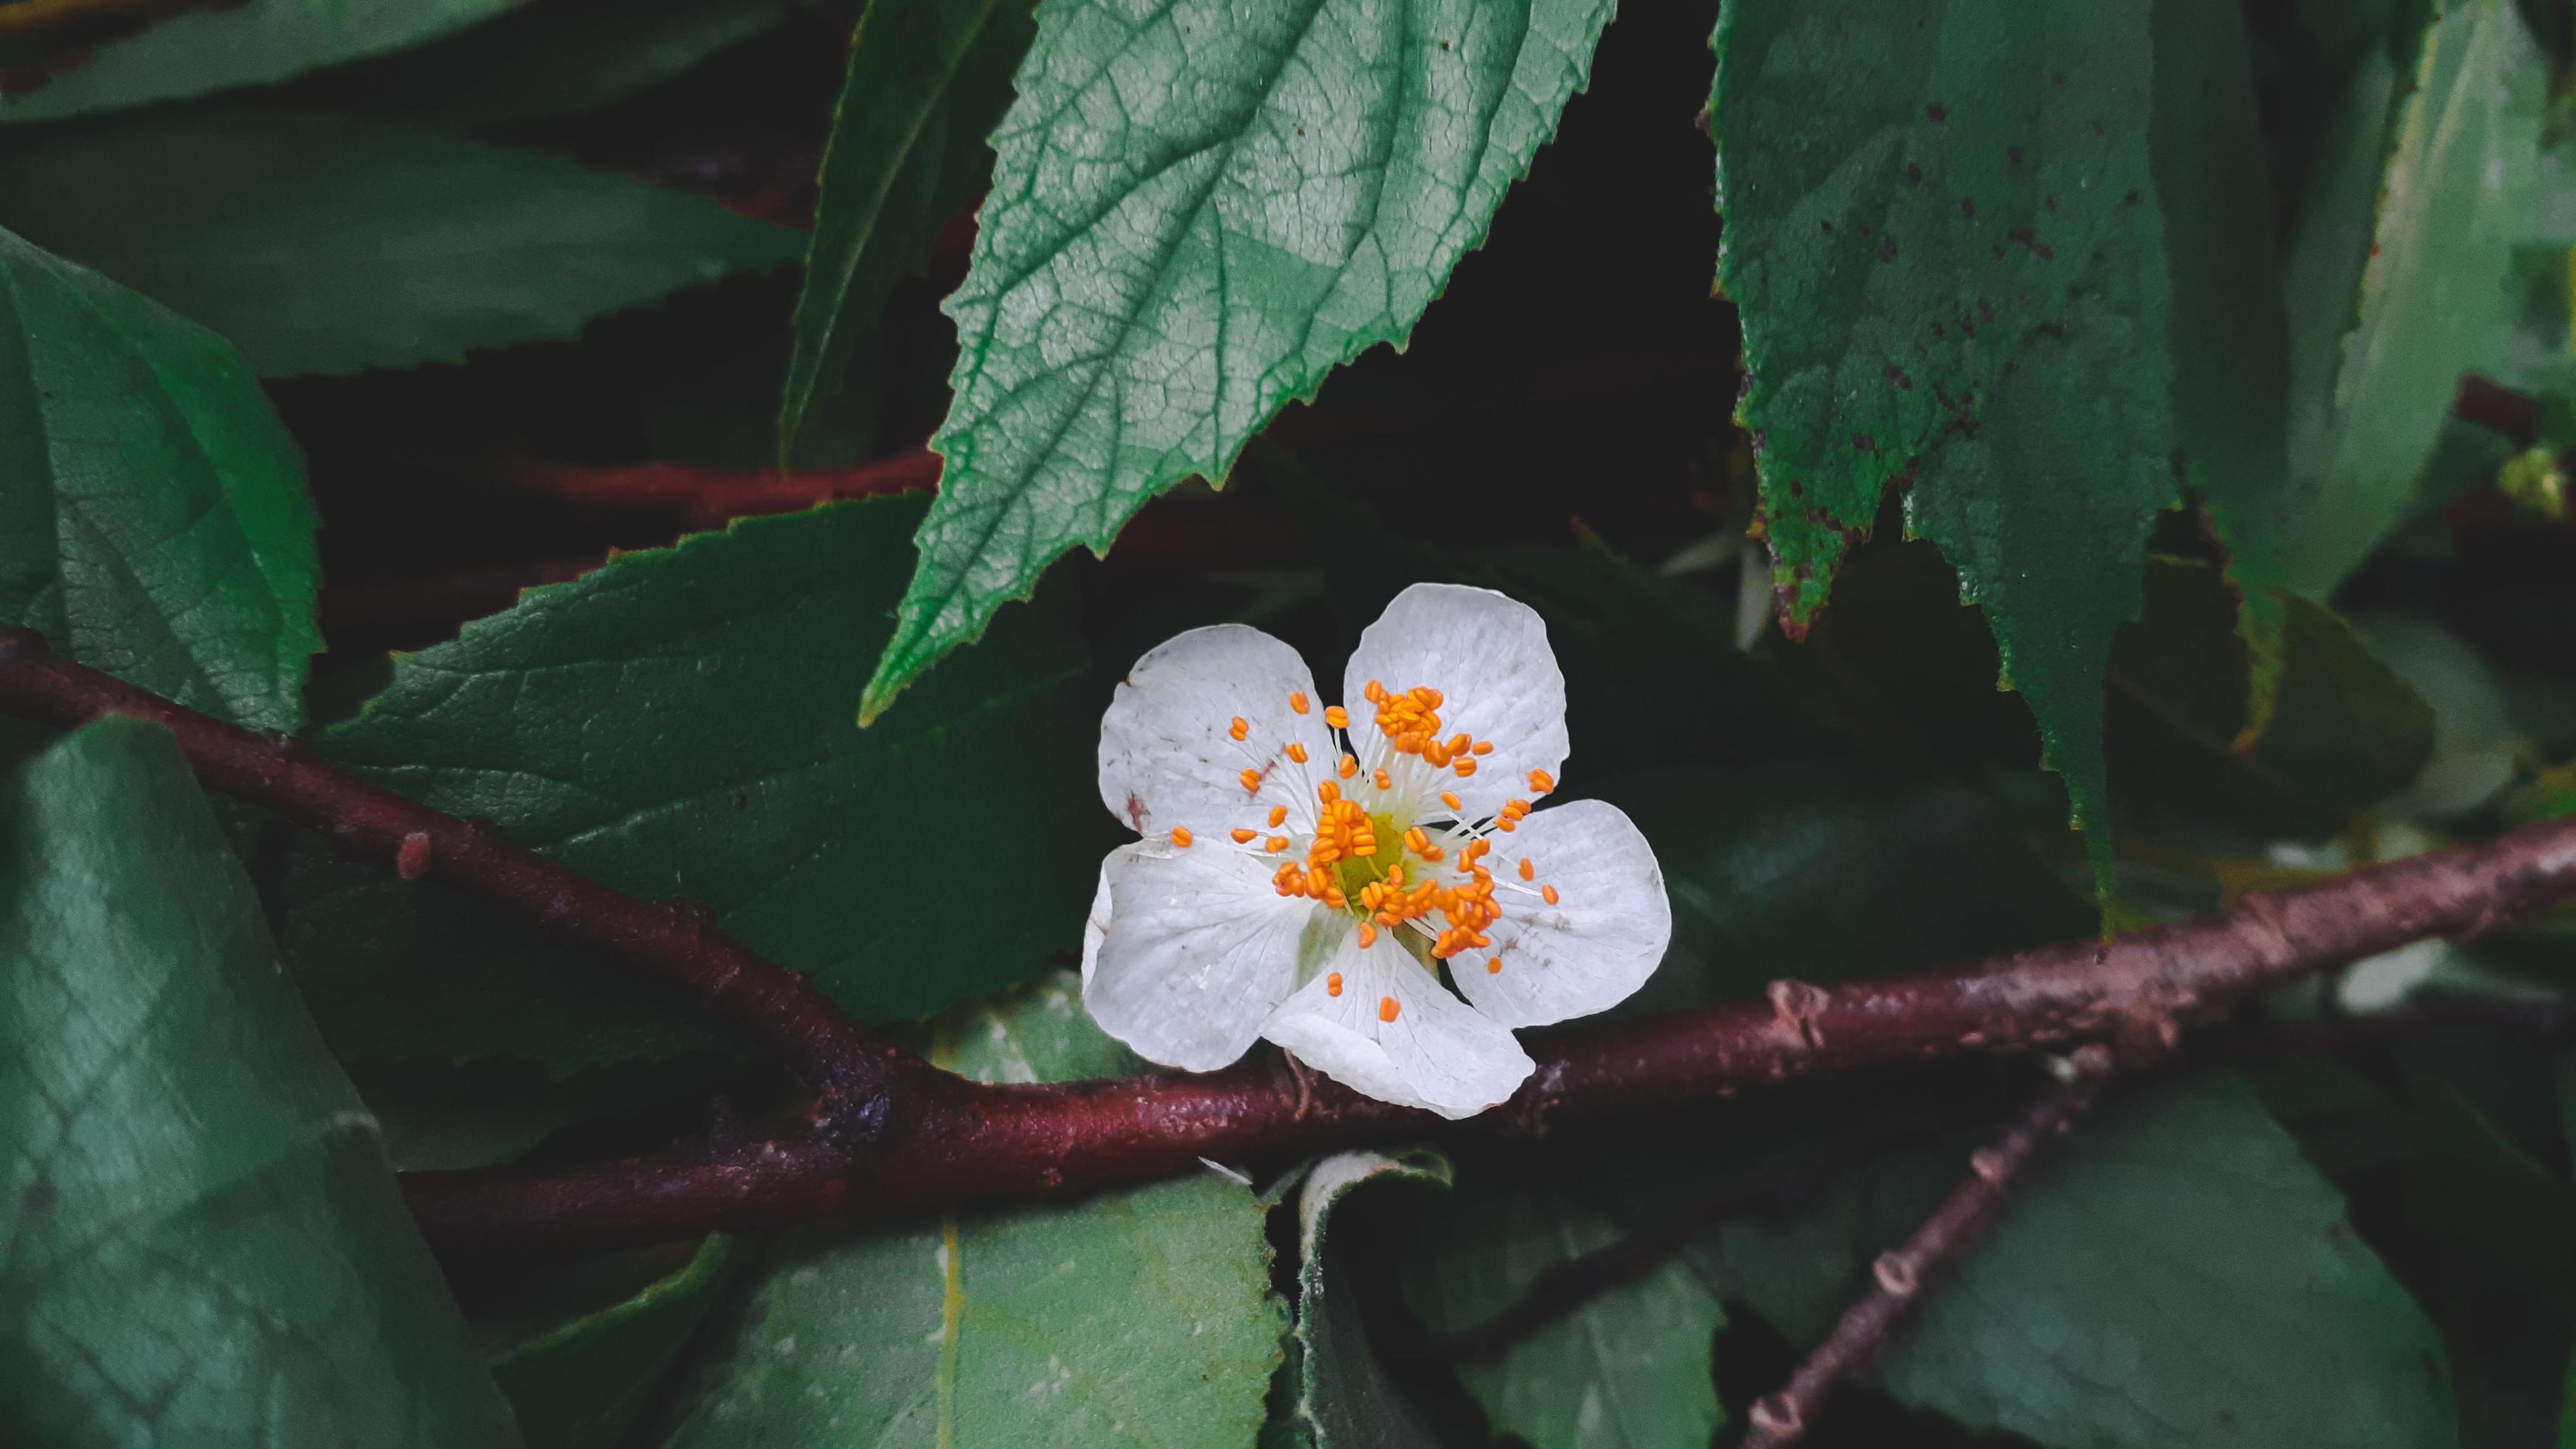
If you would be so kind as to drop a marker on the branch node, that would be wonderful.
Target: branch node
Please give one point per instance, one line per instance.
(412, 857)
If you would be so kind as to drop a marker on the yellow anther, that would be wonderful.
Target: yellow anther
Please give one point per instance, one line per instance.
(1384, 780)
(1350, 766)
(1484, 747)
(1459, 743)
(1275, 844)
(1494, 967)
(1333, 984)
(1337, 717)
(1278, 816)
(1297, 701)
(1432, 852)
(1328, 792)
(1297, 752)
(1466, 767)
(1541, 782)
(1181, 836)
(1243, 836)
(1239, 728)
(1416, 841)
(1450, 800)
(1368, 935)
(1387, 1008)
(1548, 893)
(1333, 897)
(1251, 781)
(1528, 871)
(1375, 693)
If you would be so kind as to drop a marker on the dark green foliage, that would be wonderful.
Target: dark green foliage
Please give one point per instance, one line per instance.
(604, 722)
(153, 521)
(323, 244)
(2097, 379)
(205, 1246)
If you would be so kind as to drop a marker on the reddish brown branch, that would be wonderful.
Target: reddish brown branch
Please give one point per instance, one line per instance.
(1898, 1278)
(942, 1141)
(676, 941)
(709, 496)
(967, 1142)
(2497, 409)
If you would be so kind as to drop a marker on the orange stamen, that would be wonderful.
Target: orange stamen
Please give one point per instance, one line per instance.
(1244, 836)
(1181, 836)
(1251, 781)
(1337, 717)
(1333, 984)
(1541, 782)
(1387, 1008)
(1350, 766)
(1450, 800)
(1239, 729)
(1297, 752)
(1297, 701)
(1548, 893)
(1494, 967)
(1278, 816)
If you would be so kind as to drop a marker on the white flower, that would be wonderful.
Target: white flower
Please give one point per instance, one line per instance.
(1306, 875)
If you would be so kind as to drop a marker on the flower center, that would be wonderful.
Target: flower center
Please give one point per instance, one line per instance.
(1366, 850)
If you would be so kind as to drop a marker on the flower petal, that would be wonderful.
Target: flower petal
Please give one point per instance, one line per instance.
(1488, 656)
(1095, 929)
(1597, 944)
(1438, 1053)
(1166, 758)
(1196, 950)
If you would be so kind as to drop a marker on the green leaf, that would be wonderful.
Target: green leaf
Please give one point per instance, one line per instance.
(1944, 241)
(1344, 1399)
(205, 1246)
(1628, 1368)
(677, 723)
(2175, 1274)
(153, 519)
(2346, 730)
(1198, 211)
(582, 1384)
(927, 80)
(253, 43)
(1136, 1317)
(325, 244)
(2398, 279)
(540, 60)
(2228, 332)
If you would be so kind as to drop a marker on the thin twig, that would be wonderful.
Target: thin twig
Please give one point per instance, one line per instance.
(709, 496)
(1898, 1278)
(83, 22)
(941, 1141)
(676, 940)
